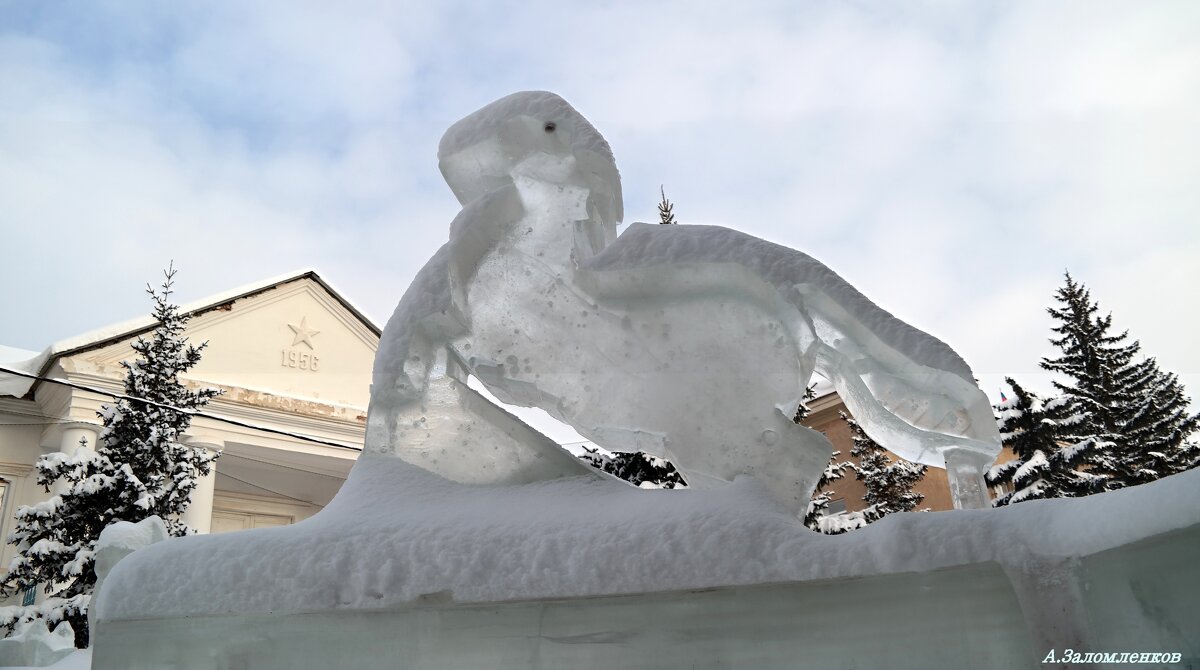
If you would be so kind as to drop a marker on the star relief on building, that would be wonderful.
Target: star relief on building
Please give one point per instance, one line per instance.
(292, 357)
(303, 333)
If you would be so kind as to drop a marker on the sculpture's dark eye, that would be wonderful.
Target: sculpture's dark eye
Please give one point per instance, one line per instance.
(550, 126)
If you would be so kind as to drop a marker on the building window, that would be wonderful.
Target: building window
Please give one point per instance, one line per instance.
(225, 521)
(837, 506)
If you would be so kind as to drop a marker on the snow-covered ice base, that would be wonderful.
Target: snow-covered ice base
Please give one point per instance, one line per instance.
(764, 626)
(596, 574)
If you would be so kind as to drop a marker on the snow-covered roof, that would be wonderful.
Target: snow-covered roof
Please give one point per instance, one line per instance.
(20, 360)
(38, 363)
(15, 354)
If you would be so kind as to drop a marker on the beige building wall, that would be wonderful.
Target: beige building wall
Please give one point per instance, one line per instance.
(825, 417)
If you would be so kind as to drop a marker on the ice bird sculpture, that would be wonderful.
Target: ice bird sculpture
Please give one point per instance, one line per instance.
(693, 343)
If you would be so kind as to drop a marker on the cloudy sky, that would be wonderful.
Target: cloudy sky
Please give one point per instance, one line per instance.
(949, 159)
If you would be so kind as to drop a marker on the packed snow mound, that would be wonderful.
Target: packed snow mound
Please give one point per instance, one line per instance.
(117, 541)
(400, 536)
(33, 644)
(122, 538)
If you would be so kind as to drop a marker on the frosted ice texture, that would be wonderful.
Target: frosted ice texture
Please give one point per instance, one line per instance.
(692, 343)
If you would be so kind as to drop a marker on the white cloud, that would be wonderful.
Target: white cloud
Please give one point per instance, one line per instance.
(951, 161)
(107, 185)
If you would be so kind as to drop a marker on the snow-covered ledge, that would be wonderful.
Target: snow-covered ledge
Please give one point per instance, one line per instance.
(532, 577)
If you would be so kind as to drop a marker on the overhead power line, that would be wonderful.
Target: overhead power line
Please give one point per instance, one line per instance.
(263, 488)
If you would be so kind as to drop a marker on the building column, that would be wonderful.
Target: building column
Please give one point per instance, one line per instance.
(964, 469)
(71, 435)
(198, 515)
(76, 430)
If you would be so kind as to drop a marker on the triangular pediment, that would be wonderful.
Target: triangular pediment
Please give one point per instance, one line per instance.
(295, 339)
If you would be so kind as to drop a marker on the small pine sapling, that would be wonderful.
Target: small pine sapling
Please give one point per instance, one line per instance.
(666, 210)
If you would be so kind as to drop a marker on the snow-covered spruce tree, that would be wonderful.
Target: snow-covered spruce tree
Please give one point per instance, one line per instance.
(1157, 431)
(637, 468)
(889, 482)
(802, 410)
(1041, 434)
(1136, 414)
(666, 210)
(138, 470)
(818, 505)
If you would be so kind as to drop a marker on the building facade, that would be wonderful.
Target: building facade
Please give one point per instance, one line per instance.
(825, 415)
(293, 360)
